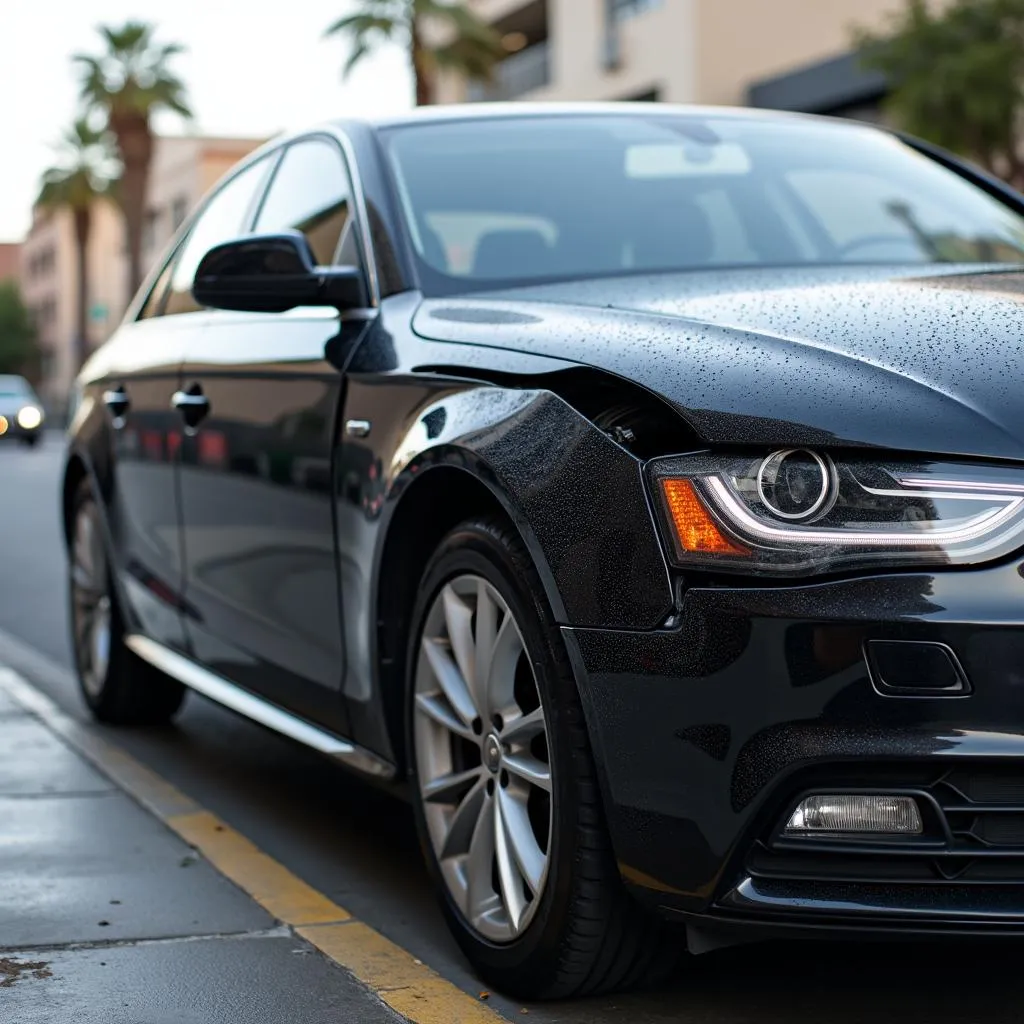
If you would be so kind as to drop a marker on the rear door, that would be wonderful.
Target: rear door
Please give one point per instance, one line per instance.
(256, 484)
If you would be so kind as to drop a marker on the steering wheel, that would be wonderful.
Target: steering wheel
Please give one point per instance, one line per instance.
(868, 240)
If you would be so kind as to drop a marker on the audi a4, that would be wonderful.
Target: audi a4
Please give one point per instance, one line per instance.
(638, 489)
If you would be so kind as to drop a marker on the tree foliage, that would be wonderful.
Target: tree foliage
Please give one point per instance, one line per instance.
(82, 175)
(126, 84)
(473, 49)
(84, 170)
(17, 332)
(957, 77)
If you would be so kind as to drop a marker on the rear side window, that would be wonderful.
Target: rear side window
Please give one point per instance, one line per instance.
(224, 217)
(310, 193)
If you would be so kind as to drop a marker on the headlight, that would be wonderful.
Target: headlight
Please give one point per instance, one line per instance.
(29, 417)
(796, 512)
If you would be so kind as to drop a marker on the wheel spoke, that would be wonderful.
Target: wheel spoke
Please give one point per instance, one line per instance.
(458, 617)
(450, 679)
(522, 844)
(521, 730)
(483, 644)
(508, 874)
(501, 675)
(464, 823)
(530, 769)
(449, 789)
(479, 859)
(435, 706)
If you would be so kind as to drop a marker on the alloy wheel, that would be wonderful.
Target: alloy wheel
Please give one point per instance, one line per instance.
(482, 758)
(90, 604)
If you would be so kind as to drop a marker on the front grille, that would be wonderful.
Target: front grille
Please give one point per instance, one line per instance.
(974, 833)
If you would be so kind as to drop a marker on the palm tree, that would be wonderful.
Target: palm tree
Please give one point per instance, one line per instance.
(473, 50)
(76, 182)
(127, 83)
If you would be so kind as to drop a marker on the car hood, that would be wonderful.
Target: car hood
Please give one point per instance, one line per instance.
(903, 358)
(10, 407)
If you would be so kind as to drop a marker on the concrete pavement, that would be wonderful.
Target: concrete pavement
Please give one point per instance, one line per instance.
(107, 916)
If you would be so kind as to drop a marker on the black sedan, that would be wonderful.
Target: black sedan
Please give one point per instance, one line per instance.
(639, 489)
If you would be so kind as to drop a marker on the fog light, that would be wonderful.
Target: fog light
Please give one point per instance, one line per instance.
(852, 812)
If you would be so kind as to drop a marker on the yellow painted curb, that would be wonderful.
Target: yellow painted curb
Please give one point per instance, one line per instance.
(404, 983)
(270, 884)
(396, 976)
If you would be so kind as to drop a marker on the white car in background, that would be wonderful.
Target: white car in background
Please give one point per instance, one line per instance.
(21, 412)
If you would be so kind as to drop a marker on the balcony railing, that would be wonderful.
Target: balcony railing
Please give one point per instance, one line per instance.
(518, 74)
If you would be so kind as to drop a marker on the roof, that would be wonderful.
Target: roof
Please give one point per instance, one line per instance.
(489, 111)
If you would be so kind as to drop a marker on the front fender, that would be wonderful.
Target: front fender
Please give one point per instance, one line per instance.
(576, 497)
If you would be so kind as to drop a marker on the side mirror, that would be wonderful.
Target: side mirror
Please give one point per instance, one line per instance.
(272, 274)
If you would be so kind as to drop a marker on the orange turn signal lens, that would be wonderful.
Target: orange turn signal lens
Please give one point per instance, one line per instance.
(3, 425)
(695, 528)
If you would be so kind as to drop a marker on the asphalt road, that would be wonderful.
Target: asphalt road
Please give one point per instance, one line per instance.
(357, 845)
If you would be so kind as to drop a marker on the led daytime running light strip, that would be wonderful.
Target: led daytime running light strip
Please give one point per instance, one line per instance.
(752, 528)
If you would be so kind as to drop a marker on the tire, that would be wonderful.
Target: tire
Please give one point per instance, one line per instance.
(118, 686)
(580, 933)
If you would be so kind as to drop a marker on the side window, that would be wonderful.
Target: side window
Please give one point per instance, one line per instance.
(310, 193)
(222, 218)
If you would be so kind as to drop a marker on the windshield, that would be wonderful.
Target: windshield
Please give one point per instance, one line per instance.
(500, 202)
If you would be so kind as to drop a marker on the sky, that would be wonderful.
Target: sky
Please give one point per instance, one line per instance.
(252, 69)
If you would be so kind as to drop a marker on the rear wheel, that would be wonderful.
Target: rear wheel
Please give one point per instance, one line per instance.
(504, 786)
(118, 686)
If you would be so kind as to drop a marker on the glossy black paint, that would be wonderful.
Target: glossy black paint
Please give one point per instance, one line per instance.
(281, 550)
(809, 356)
(707, 733)
(273, 274)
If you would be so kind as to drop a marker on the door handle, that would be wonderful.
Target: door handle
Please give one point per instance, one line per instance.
(116, 400)
(193, 405)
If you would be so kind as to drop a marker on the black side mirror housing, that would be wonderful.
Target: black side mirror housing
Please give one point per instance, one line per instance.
(272, 274)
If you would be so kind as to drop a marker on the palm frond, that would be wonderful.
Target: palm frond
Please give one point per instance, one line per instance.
(132, 75)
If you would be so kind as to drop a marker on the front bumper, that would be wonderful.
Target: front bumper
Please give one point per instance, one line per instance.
(707, 735)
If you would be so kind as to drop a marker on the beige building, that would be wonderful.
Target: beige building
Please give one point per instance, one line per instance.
(793, 54)
(183, 169)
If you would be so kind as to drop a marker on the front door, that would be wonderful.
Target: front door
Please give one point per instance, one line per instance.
(256, 477)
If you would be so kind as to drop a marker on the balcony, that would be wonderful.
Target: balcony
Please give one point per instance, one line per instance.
(516, 75)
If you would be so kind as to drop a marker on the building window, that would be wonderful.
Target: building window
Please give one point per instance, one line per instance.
(620, 10)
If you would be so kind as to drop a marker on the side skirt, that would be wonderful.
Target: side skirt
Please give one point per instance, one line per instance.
(223, 691)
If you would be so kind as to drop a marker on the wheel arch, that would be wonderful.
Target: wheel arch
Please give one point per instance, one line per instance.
(432, 502)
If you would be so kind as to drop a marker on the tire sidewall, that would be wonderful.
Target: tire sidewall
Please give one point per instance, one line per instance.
(483, 550)
(85, 504)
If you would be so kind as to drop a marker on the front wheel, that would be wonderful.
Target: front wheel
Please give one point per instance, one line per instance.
(504, 785)
(118, 686)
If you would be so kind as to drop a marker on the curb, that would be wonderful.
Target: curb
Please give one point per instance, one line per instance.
(402, 982)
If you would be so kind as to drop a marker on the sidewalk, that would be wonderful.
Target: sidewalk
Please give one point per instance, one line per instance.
(108, 917)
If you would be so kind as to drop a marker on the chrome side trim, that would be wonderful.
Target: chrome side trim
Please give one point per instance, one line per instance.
(217, 688)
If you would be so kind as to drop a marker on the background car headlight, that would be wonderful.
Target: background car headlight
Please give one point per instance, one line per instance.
(795, 512)
(29, 417)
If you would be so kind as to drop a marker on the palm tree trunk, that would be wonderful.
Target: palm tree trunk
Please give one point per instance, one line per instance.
(83, 228)
(421, 68)
(135, 146)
